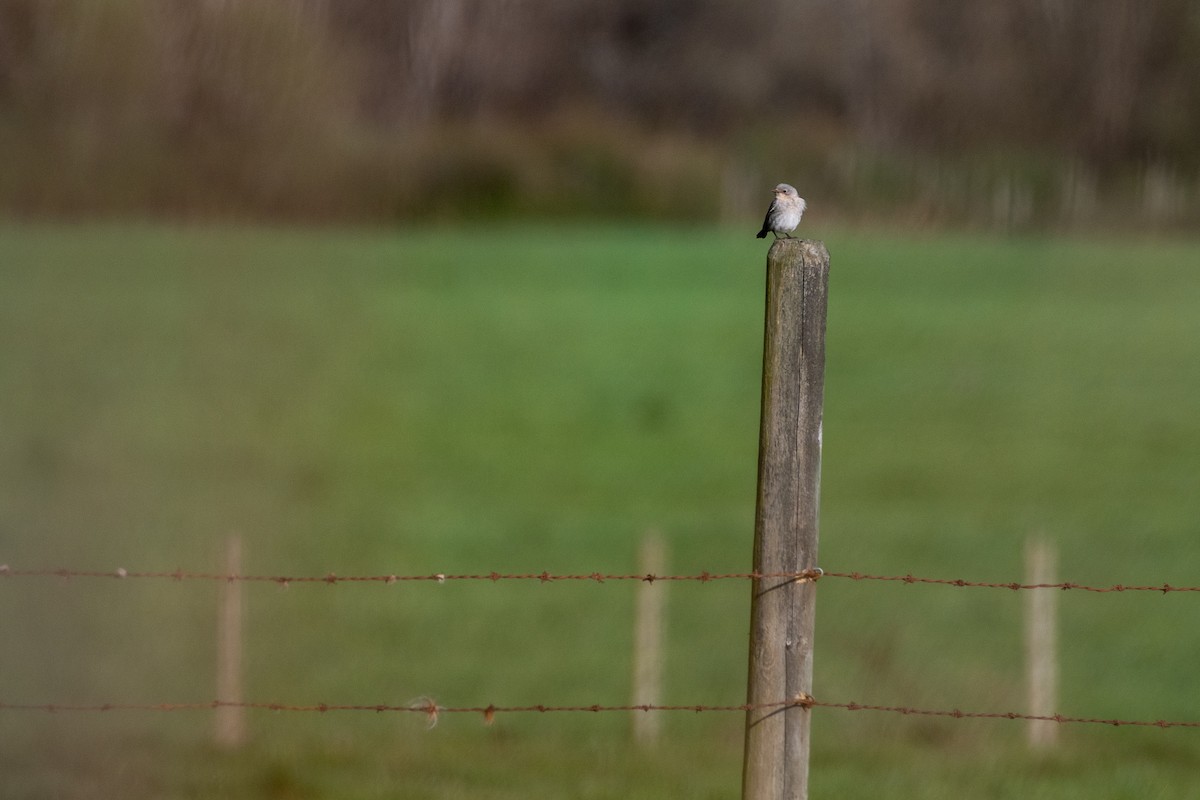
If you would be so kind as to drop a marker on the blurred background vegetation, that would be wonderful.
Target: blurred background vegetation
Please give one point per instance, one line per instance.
(528, 397)
(1022, 113)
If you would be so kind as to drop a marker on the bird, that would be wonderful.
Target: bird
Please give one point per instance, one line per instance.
(784, 213)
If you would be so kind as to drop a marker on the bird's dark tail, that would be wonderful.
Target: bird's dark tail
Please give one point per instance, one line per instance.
(761, 234)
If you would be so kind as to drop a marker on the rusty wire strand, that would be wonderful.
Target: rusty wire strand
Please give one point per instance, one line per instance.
(440, 577)
(1012, 585)
(595, 577)
(431, 710)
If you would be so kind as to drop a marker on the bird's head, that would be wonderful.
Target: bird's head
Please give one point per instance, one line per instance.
(786, 190)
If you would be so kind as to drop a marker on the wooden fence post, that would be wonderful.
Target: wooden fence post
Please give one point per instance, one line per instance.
(230, 730)
(648, 640)
(775, 765)
(1041, 645)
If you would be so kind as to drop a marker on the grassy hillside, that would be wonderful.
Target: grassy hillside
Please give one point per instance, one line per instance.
(536, 398)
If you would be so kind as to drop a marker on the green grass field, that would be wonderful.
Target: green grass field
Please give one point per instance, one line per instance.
(536, 398)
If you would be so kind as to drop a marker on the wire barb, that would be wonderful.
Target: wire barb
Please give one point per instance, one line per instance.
(810, 575)
(803, 700)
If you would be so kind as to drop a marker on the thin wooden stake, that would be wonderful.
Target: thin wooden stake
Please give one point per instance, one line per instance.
(649, 628)
(230, 729)
(1041, 642)
(785, 529)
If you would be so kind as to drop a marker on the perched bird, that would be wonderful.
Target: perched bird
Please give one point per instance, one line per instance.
(784, 213)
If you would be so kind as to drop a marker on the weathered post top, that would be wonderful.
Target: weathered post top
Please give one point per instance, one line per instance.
(785, 526)
(811, 250)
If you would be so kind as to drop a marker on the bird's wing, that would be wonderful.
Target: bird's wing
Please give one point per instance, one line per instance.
(766, 226)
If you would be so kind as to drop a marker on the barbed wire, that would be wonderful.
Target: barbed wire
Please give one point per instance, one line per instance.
(1013, 715)
(1164, 588)
(596, 577)
(440, 577)
(432, 710)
